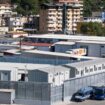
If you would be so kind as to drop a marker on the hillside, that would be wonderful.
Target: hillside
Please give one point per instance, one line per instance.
(26, 7)
(32, 6)
(93, 5)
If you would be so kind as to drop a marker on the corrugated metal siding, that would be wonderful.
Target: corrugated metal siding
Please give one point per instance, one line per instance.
(37, 76)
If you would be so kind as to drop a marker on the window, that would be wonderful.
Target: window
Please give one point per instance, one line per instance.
(99, 68)
(95, 68)
(82, 73)
(103, 66)
(86, 70)
(91, 69)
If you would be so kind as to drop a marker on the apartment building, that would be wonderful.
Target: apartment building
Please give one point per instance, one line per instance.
(59, 17)
(5, 9)
(5, 1)
(65, 1)
(69, 1)
(17, 23)
(80, 2)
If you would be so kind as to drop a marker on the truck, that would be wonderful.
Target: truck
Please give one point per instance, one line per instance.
(83, 94)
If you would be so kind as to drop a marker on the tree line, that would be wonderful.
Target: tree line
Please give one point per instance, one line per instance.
(91, 28)
(26, 7)
(33, 6)
(93, 6)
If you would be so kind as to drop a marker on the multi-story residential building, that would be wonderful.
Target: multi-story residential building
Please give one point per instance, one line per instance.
(80, 2)
(69, 1)
(5, 1)
(17, 23)
(5, 11)
(65, 1)
(59, 17)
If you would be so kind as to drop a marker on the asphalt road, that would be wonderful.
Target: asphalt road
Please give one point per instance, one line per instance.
(89, 102)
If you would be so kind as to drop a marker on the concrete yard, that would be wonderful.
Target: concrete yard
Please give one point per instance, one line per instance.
(87, 102)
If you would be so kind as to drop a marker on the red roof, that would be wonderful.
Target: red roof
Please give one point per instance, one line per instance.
(36, 44)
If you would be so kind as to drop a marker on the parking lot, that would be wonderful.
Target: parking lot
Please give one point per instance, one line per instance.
(89, 102)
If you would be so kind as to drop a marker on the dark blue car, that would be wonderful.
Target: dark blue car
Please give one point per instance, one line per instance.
(99, 93)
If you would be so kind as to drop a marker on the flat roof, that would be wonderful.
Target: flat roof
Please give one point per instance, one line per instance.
(86, 63)
(36, 44)
(8, 66)
(68, 37)
(13, 51)
(64, 43)
(59, 54)
(30, 67)
(91, 42)
(54, 69)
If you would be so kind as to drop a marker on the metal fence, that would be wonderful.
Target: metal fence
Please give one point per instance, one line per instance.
(28, 90)
(71, 86)
(56, 94)
(46, 92)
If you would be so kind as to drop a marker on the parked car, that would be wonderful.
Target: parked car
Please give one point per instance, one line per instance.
(99, 93)
(83, 94)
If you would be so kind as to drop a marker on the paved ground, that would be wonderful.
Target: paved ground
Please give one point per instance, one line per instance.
(89, 102)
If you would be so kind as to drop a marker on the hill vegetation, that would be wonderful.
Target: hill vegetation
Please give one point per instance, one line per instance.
(33, 6)
(27, 7)
(91, 28)
(93, 5)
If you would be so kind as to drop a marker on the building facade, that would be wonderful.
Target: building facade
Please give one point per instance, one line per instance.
(72, 2)
(59, 18)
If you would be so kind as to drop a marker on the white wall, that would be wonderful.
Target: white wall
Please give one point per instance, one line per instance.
(89, 67)
(58, 77)
(13, 72)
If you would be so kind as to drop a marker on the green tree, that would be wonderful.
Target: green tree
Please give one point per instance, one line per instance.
(93, 5)
(26, 7)
(91, 28)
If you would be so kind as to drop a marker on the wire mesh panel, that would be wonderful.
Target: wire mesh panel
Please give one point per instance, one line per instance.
(56, 93)
(71, 86)
(28, 90)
